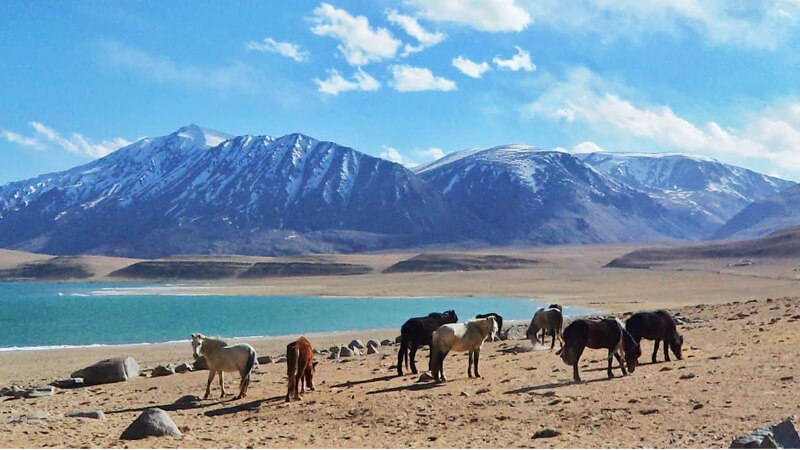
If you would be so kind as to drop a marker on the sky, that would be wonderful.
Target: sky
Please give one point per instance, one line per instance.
(408, 80)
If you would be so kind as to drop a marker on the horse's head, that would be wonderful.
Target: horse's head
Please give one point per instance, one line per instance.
(632, 351)
(530, 333)
(449, 316)
(493, 329)
(197, 342)
(676, 345)
(556, 306)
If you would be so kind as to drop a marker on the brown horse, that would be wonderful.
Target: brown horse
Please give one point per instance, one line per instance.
(300, 367)
(604, 333)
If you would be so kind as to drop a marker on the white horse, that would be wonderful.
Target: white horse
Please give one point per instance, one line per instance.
(460, 337)
(222, 358)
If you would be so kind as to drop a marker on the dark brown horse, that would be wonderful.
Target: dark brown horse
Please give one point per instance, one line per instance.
(604, 333)
(658, 326)
(300, 367)
(418, 331)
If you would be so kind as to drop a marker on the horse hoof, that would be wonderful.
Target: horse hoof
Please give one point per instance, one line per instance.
(477, 376)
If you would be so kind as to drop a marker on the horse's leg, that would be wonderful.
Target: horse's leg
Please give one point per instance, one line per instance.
(211, 374)
(553, 336)
(477, 352)
(222, 383)
(621, 363)
(441, 366)
(413, 357)
(578, 352)
(611, 354)
(666, 350)
(655, 349)
(469, 365)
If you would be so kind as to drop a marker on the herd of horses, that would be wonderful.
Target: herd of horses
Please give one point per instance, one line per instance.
(443, 334)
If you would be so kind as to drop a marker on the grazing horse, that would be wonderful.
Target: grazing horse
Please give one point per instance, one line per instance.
(222, 358)
(460, 337)
(604, 333)
(548, 320)
(300, 368)
(418, 331)
(497, 318)
(656, 325)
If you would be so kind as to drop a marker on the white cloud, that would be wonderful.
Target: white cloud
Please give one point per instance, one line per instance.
(412, 79)
(161, 69)
(19, 139)
(359, 43)
(287, 49)
(754, 24)
(391, 154)
(431, 154)
(470, 68)
(587, 147)
(413, 28)
(583, 98)
(483, 15)
(336, 83)
(76, 143)
(520, 61)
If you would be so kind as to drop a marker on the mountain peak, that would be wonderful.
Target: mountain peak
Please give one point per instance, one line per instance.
(203, 137)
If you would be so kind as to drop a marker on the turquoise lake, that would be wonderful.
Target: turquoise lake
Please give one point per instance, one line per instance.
(36, 314)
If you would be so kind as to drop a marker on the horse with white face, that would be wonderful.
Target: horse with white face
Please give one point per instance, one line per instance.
(460, 337)
(222, 358)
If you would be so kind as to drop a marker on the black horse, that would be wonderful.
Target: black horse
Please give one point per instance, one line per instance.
(658, 326)
(418, 331)
(604, 333)
(498, 319)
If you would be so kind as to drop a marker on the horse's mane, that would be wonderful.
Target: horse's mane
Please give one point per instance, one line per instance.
(210, 343)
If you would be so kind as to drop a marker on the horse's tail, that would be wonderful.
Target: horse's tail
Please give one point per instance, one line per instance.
(248, 369)
(402, 354)
(292, 369)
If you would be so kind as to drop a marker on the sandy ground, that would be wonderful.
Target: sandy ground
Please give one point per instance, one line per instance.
(741, 367)
(739, 372)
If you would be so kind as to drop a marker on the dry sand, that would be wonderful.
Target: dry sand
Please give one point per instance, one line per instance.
(741, 367)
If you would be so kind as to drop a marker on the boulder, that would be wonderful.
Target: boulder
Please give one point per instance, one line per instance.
(373, 343)
(186, 400)
(109, 371)
(200, 364)
(99, 415)
(152, 422)
(13, 391)
(40, 391)
(398, 339)
(780, 435)
(280, 359)
(183, 368)
(68, 383)
(514, 333)
(345, 352)
(545, 433)
(425, 376)
(355, 343)
(162, 371)
(264, 359)
(387, 342)
(371, 349)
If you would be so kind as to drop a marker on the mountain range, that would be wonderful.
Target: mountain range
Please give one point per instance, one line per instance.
(200, 191)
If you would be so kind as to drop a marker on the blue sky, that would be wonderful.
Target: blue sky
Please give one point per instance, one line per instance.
(407, 80)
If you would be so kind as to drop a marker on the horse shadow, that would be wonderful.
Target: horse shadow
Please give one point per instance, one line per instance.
(409, 387)
(559, 384)
(176, 406)
(249, 406)
(617, 367)
(371, 380)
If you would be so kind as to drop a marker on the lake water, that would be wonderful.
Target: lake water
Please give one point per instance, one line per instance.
(35, 314)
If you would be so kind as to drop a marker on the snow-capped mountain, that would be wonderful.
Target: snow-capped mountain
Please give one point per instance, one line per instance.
(702, 193)
(765, 216)
(533, 195)
(196, 191)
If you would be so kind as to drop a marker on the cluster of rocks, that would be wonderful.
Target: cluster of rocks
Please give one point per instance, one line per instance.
(779, 435)
(32, 392)
(357, 348)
